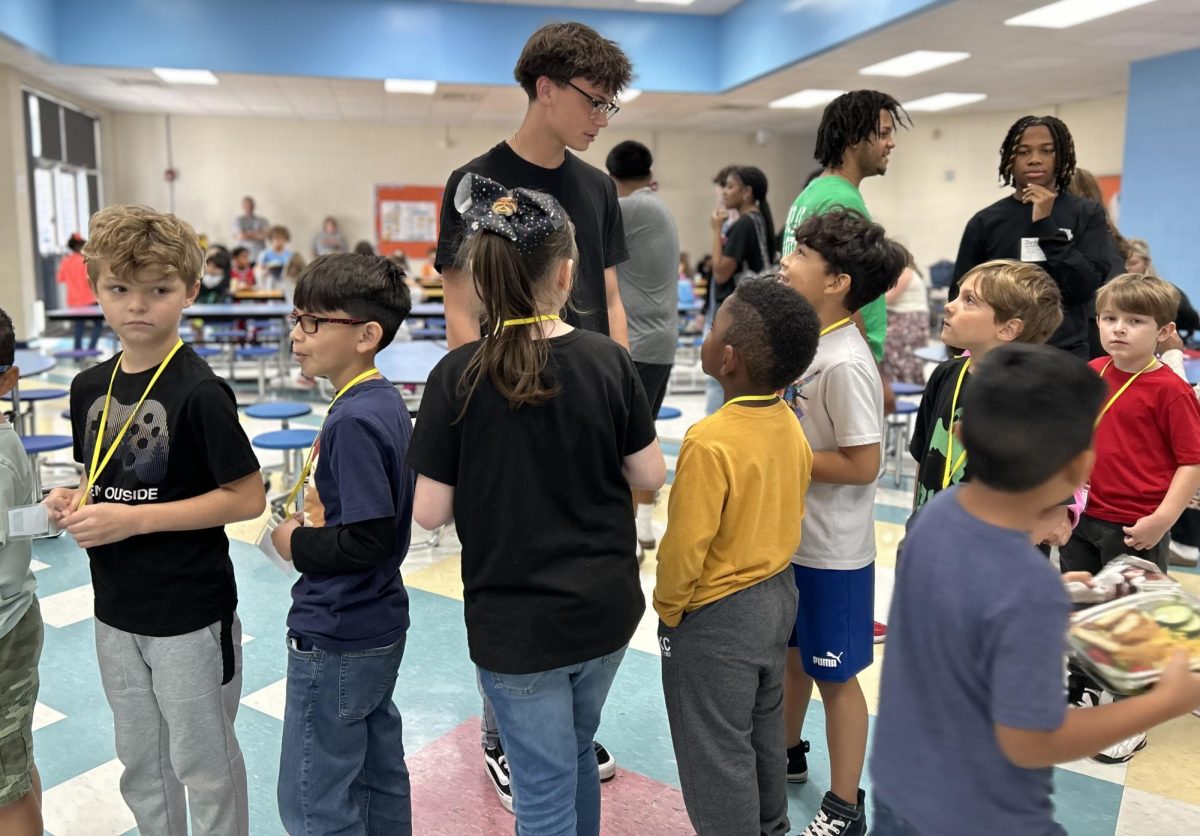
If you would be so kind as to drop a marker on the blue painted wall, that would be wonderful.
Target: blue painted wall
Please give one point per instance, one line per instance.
(466, 43)
(1160, 183)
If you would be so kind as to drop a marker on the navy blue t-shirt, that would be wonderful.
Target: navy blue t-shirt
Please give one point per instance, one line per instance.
(360, 475)
(976, 637)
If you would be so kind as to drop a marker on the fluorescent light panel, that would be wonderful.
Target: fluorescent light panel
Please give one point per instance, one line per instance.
(914, 63)
(174, 76)
(943, 101)
(807, 98)
(410, 85)
(628, 95)
(1067, 13)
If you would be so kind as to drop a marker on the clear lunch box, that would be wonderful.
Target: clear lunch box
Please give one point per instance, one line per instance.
(1125, 643)
(1122, 576)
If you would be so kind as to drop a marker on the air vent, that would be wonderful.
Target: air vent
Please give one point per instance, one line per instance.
(138, 82)
(736, 107)
(458, 97)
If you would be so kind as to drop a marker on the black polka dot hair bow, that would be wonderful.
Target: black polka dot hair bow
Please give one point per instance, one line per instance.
(523, 216)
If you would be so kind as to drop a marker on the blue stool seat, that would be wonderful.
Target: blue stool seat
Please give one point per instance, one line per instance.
(905, 407)
(228, 333)
(77, 354)
(253, 352)
(29, 395)
(38, 444)
(284, 439)
(666, 413)
(278, 410)
(428, 333)
(206, 350)
(66, 413)
(907, 388)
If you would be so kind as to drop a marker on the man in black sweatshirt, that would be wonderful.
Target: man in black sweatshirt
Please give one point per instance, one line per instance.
(1042, 222)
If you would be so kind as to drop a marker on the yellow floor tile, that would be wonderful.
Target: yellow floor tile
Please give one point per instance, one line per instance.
(1170, 763)
(441, 578)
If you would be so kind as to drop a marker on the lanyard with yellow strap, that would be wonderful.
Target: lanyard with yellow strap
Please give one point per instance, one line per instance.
(951, 470)
(308, 461)
(97, 464)
(749, 398)
(1120, 391)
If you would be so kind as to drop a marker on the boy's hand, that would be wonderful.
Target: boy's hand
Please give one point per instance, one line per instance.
(60, 503)
(718, 219)
(102, 523)
(1146, 532)
(1085, 578)
(1179, 686)
(281, 537)
(1041, 198)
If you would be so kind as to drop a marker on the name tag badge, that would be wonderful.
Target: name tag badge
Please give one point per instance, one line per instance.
(268, 548)
(30, 522)
(1031, 250)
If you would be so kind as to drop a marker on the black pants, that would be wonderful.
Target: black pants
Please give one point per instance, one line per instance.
(1096, 542)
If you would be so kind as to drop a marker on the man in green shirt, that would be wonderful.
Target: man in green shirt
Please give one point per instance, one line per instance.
(856, 135)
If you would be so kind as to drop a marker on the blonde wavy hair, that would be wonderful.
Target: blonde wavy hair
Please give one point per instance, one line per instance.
(1140, 293)
(1020, 290)
(131, 239)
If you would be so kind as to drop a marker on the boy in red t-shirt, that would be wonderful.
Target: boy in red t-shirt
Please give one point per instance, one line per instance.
(1148, 436)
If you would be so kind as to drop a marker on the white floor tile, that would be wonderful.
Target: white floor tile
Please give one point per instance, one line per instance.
(269, 700)
(246, 639)
(885, 581)
(1143, 813)
(1112, 772)
(70, 607)
(37, 565)
(88, 805)
(44, 715)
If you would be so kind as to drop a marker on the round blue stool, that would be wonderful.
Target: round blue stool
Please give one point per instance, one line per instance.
(899, 427)
(31, 397)
(666, 413)
(206, 351)
(259, 353)
(291, 443)
(902, 389)
(77, 354)
(36, 445)
(278, 411)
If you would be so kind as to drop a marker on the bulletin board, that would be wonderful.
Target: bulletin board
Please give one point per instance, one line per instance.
(406, 219)
(1110, 187)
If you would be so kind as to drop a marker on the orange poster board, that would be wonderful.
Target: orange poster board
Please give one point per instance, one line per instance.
(1110, 187)
(406, 219)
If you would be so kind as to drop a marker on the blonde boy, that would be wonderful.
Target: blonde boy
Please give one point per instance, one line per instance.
(998, 302)
(167, 466)
(1148, 437)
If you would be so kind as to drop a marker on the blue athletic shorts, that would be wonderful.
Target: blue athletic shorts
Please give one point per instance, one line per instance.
(835, 621)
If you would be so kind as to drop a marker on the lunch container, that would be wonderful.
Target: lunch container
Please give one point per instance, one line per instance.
(1122, 576)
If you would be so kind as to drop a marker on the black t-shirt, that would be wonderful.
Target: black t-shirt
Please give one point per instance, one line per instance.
(746, 244)
(589, 198)
(184, 442)
(1073, 246)
(932, 428)
(549, 565)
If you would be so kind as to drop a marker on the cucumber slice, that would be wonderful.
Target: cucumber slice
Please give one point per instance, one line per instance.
(1174, 615)
(1191, 629)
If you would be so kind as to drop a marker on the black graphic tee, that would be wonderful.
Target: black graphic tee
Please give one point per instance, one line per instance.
(185, 441)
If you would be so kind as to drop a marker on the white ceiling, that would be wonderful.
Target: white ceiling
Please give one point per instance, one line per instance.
(700, 7)
(1015, 67)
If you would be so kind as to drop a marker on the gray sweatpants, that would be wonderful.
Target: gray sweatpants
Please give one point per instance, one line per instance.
(174, 729)
(723, 681)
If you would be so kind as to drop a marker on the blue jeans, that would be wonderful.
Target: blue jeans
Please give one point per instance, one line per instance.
(547, 723)
(81, 326)
(341, 768)
(886, 823)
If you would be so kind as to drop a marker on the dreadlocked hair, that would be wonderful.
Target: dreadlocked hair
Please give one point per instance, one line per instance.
(513, 286)
(851, 118)
(1064, 149)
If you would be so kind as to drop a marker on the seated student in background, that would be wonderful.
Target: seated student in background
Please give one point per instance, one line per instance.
(1148, 437)
(241, 270)
(215, 281)
(341, 768)
(273, 260)
(841, 262)
(724, 591)
(971, 711)
(163, 477)
(20, 624)
(530, 440)
(998, 302)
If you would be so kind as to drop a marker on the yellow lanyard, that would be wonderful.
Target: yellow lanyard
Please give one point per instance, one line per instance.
(529, 320)
(950, 471)
(749, 398)
(308, 461)
(1120, 391)
(830, 328)
(95, 471)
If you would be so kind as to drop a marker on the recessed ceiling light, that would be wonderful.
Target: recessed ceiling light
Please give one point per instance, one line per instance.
(628, 95)
(669, 2)
(913, 63)
(172, 76)
(807, 98)
(1066, 13)
(410, 85)
(944, 101)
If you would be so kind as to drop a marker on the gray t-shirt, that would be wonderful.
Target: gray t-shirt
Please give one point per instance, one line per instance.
(249, 223)
(976, 637)
(839, 401)
(16, 489)
(649, 279)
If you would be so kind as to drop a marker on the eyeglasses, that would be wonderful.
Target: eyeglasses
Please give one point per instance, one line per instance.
(309, 324)
(599, 106)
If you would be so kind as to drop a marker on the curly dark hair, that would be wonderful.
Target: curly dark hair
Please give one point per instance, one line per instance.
(1064, 149)
(851, 118)
(851, 244)
(563, 51)
(774, 329)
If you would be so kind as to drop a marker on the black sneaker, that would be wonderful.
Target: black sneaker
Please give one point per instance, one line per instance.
(797, 767)
(605, 761)
(495, 764)
(837, 818)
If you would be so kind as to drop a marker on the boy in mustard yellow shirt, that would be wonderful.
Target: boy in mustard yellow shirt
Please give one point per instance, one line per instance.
(724, 591)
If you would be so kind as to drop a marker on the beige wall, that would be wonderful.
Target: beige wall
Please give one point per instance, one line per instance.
(300, 171)
(945, 169)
